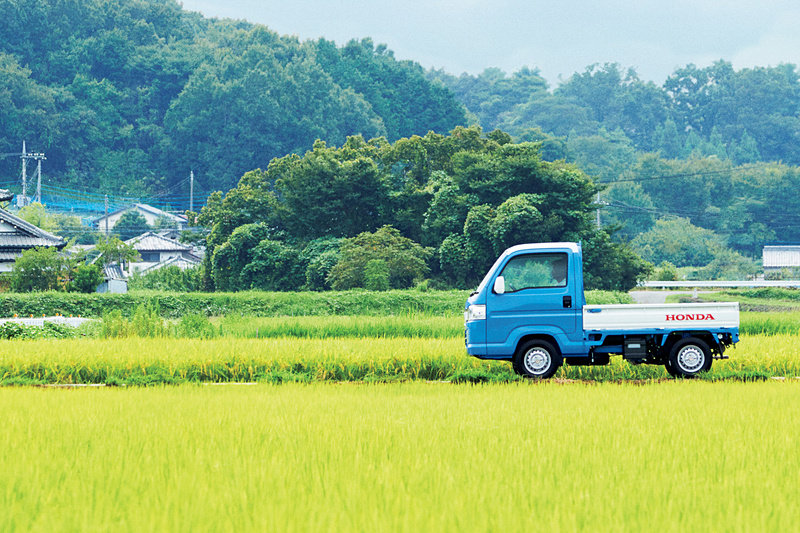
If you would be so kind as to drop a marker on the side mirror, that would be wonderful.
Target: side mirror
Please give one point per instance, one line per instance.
(499, 285)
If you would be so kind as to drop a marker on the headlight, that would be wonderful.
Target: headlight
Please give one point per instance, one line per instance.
(475, 312)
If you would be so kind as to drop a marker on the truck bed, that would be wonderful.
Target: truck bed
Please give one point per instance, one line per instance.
(660, 316)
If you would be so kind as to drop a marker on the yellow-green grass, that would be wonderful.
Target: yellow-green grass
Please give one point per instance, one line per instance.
(415, 325)
(673, 456)
(152, 361)
(320, 327)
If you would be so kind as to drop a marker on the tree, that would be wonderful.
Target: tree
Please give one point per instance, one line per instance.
(131, 224)
(611, 266)
(320, 256)
(86, 278)
(37, 269)
(679, 242)
(274, 267)
(229, 259)
(331, 192)
(406, 260)
(113, 250)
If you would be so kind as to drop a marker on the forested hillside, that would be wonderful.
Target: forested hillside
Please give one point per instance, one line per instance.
(696, 169)
(126, 96)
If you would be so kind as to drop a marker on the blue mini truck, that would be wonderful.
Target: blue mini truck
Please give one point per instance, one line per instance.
(530, 309)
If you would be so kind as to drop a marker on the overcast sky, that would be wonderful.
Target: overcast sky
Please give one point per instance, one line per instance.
(559, 37)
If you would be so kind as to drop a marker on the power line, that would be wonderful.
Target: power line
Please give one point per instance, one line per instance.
(698, 173)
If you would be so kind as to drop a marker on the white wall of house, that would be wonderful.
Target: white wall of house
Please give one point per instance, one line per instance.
(113, 218)
(151, 258)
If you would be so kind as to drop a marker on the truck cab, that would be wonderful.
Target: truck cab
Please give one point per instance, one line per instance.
(530, 309)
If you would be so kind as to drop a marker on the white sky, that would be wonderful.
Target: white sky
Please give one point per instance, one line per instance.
(558, 37)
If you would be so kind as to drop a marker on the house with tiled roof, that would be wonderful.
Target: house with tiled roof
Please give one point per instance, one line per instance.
(17, 235)
(151, 214)
(157, 251)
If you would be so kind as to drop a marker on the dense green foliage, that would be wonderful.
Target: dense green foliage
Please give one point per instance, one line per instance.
(131, 224)
(446, 206)
(747, 115)
(86, 278)
(712, 145)
(37, 269)
(169, 278)
(128, 96)
(253, 303)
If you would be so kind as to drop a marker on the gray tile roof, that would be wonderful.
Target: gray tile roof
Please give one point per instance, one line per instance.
(152, 242)
(113, 272)
(25, 235)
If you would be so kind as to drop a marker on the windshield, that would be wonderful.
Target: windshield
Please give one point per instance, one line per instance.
(489, 274)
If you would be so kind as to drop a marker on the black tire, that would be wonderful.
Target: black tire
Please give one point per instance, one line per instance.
(670, 370)
(688, 357)
(537, 360)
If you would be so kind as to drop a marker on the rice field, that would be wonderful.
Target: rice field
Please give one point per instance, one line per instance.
(146, 361)
(383, 423)
(671, 456)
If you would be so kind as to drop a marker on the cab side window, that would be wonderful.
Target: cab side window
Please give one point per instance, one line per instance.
(533, 271)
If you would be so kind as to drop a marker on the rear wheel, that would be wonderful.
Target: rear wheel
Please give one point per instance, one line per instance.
(537, 359)
(689, 357)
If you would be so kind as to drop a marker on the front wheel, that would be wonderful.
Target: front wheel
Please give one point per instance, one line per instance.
(689, 357)
(537, 359)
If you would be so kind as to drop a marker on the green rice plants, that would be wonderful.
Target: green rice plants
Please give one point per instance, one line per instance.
(144, 360)
(195, 326)
(401, 457)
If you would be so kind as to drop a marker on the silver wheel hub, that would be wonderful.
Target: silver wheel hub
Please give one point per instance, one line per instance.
(691, 358)
(537, 360)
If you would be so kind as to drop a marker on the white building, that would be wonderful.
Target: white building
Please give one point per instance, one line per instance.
(778, 257)
(157, 251)
(151, 214)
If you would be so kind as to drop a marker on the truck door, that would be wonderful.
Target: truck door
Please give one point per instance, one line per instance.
(539, 294)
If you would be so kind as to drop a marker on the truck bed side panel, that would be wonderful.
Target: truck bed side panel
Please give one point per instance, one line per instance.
(661, 316)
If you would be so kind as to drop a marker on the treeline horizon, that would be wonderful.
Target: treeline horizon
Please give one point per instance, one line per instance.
(128, 97)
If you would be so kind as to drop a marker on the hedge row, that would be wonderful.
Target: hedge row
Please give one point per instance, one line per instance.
(253, 303)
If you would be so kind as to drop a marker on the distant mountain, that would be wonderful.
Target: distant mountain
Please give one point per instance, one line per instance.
(127, 96)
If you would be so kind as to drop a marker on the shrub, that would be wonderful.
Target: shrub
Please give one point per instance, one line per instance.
(405, 259)
(86, 279)
(38, 269)
(169, 278)
(376, 275)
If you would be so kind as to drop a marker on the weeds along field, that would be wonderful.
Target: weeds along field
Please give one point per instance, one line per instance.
(149, 361)
(672, 456)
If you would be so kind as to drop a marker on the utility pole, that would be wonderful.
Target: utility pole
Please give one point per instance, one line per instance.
(598, 210)
(106, 202)
(39, 158)
(191, 190)
(24, 158)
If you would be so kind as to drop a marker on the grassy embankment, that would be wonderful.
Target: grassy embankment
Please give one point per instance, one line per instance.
(147, 349)
(676, 456)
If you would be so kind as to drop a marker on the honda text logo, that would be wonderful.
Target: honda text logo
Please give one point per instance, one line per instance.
(671, 318)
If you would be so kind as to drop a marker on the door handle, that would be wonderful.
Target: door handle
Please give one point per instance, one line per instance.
(567, 302)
